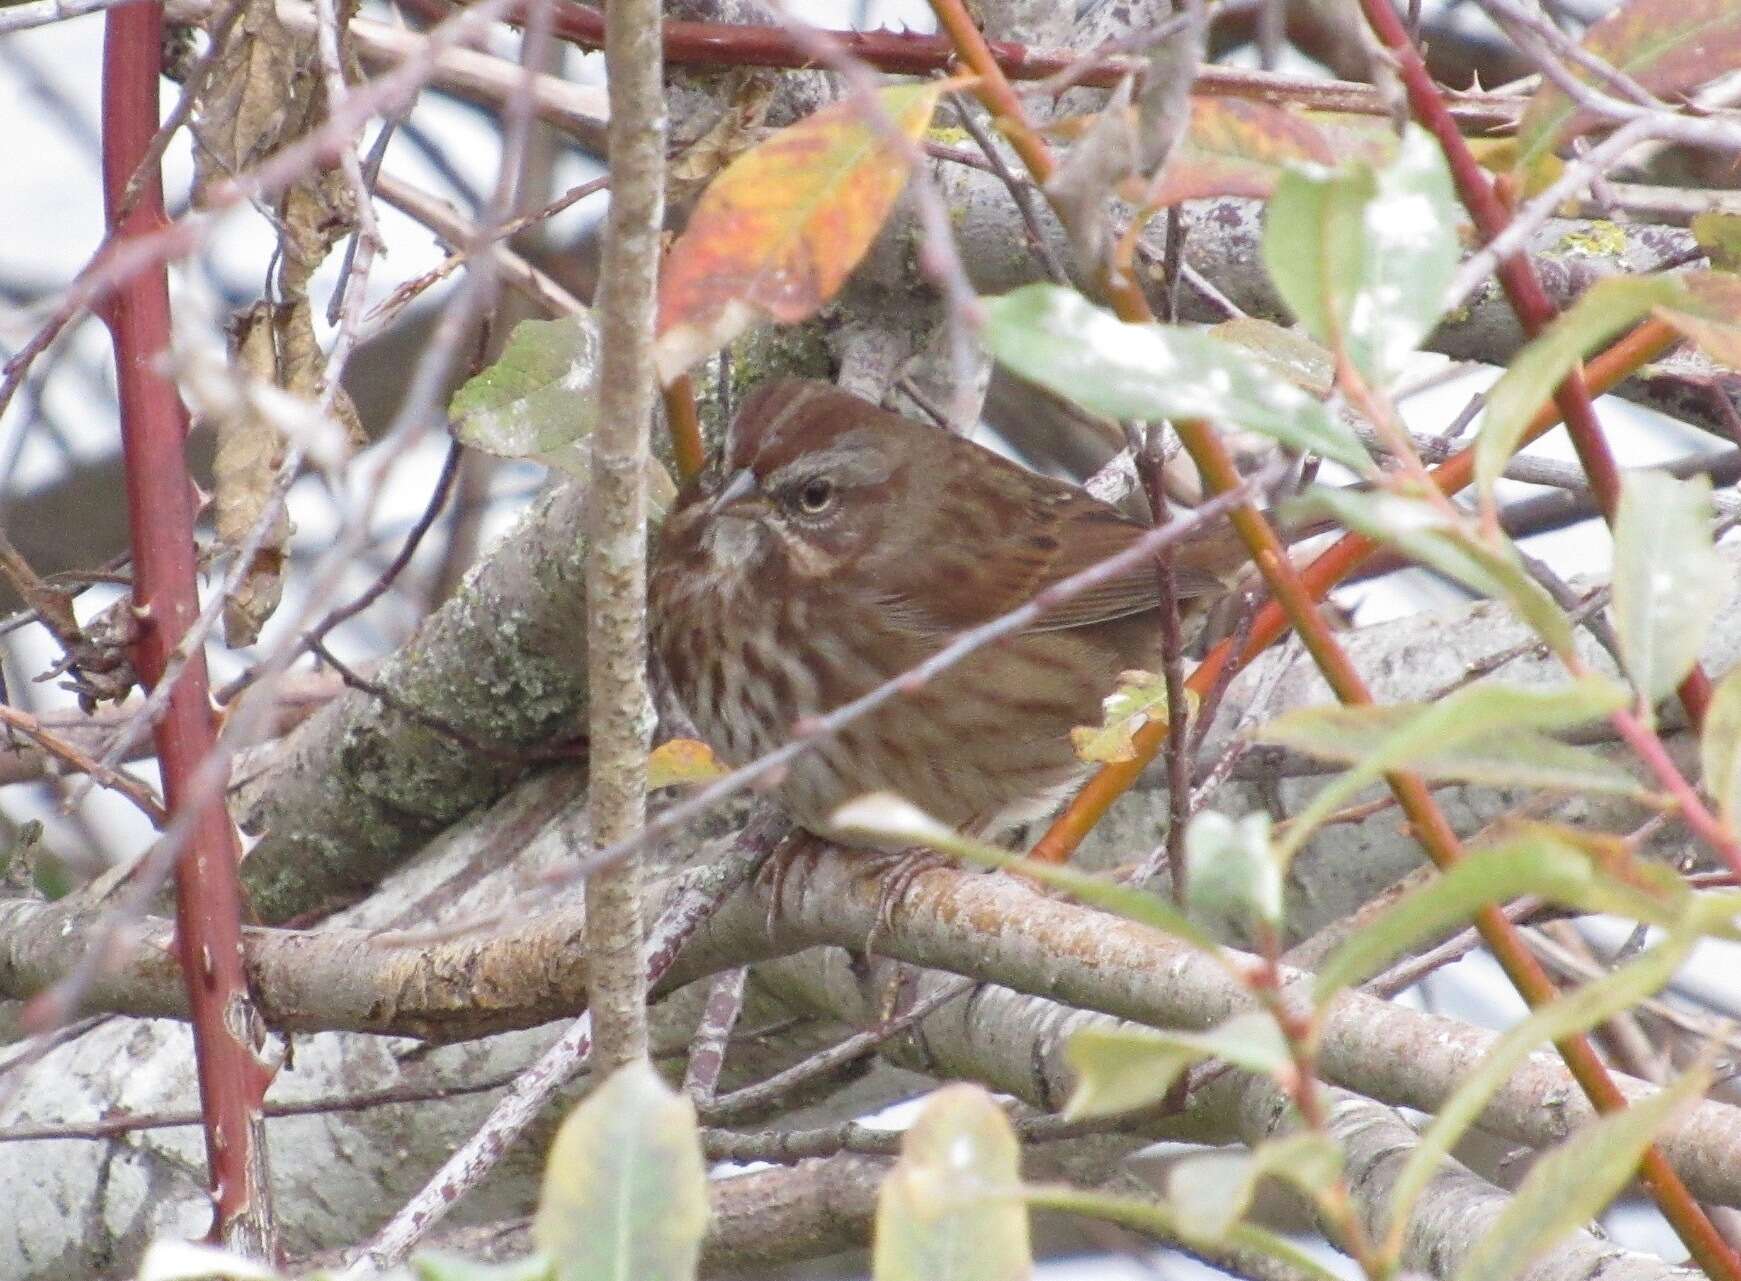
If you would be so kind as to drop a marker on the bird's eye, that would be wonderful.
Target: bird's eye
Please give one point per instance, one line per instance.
(817, 495)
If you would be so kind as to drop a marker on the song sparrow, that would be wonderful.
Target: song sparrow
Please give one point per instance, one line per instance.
(838, 545)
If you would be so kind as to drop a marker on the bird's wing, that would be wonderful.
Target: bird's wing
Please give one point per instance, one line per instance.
(984, 574)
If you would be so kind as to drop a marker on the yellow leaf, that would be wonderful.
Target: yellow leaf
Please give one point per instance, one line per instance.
(682, 760)
(1139, 698)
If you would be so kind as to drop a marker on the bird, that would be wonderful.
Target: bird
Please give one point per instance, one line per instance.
(836, 545)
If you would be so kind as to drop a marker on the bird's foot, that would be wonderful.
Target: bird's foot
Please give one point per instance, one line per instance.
(796, 846)
(895, 873)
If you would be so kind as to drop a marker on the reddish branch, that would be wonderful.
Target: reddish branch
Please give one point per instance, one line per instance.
(161, 513)
(1518, 276)
(720, 44)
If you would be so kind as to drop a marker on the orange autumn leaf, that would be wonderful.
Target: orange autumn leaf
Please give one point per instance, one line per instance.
(779, 230)
(1235, 148)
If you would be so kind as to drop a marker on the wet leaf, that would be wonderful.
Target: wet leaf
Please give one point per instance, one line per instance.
(778, 232)
(1057, 338)
(1668, 46)
(536, 401)
(625, 1187)
(1669, 581)
(1363, 257)
(952, 1207)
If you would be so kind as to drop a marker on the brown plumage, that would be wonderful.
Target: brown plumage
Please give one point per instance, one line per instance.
(838, 545)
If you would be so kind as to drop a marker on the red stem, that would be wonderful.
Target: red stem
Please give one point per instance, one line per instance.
(1522, 286)
(161, 515)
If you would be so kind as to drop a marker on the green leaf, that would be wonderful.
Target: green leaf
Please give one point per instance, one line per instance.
(1719, 235)
(1363, 258)
(1535, 861)
(1607, 307)
(625, 1188)
(536, 401)
(1669, 581)
(440, 1266)
(1720, 748)
(952, 1209)
(1161, 1220)
(1569, 1186)
(1120, 1068)
(1668, 46)
(890, 817)
(1575, 1012)
(1232, 877)
(1483, 732)
(1057, 338)
(1213, 1191)
(1431, 536)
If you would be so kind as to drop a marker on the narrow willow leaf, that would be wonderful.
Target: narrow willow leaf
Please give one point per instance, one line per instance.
(625, 1188)
(535, 401)
(1669, 581)
(891, 817)
(1668, 46)
(1720, 748)
(1213, 1191)
(1606, 308)
(1121, 1068)
(1473, 734)
(1430, 536)
(1162, 1220)
(1534, 862)
(1569, 1186)
(1575, 1012)
(1232, 876)
(1057, 338)
(1363, 258)
(952, 1209)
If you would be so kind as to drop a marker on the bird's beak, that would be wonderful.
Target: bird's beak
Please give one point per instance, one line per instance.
(740, 484)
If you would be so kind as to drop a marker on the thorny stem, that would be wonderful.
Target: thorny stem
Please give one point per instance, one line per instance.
(1298, 606)
(160, 515)
(1522, 285)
